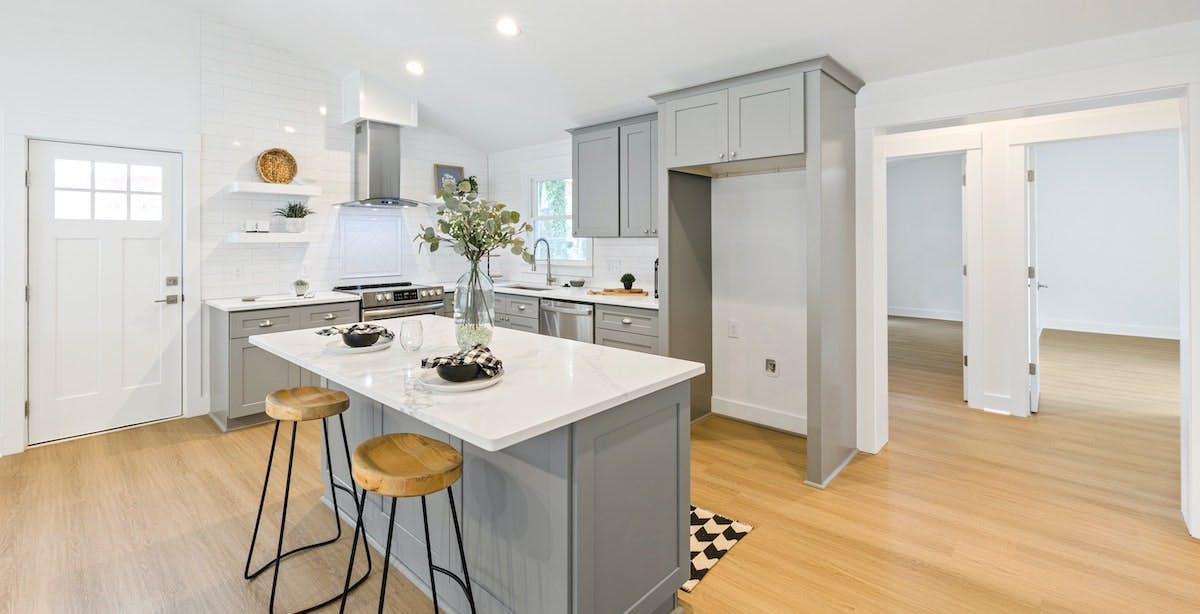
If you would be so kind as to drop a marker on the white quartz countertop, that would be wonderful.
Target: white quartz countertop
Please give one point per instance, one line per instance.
(572, 294)
(548, 382)
(280, 300)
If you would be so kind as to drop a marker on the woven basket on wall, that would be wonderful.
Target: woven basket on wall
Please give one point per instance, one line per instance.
(276, 166)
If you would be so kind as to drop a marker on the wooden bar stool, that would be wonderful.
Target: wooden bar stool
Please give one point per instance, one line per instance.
(408, 465)
(297, 405)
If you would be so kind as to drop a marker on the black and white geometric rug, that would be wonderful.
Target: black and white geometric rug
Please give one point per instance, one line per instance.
(712, 536)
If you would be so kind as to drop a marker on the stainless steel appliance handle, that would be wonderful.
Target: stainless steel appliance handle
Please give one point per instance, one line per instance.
(415, 310)
(583, 311)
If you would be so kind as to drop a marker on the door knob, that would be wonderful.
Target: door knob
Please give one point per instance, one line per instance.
(170, 299)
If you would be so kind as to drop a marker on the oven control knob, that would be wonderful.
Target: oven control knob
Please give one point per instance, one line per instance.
(424, 293)
(379, 296)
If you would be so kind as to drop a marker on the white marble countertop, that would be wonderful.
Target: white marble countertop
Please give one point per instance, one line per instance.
(579, 295)
(274, 301)
(548, 382)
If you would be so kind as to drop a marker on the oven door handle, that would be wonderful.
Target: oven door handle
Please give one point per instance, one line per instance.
(415, 310)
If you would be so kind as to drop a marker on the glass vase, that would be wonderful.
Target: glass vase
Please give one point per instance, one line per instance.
(474, 308)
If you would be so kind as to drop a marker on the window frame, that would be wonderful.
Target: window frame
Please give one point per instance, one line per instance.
(577, 266)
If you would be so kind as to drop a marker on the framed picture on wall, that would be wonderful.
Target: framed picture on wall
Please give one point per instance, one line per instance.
(442, 172)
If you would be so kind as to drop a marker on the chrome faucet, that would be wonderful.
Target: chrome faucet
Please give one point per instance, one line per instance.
(549, 278)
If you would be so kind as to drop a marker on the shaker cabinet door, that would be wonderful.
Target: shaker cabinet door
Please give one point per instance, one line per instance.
(255, 373)
(639, 155)
(697, 129)
(766, 118)
(594, 184)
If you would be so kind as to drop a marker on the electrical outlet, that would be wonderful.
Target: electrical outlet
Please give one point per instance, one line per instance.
(735, 329)
(772, 368)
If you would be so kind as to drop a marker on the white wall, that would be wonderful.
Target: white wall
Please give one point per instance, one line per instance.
(924, 219)
(759, 282)
(511, 175)
(1108, 234)
(250, 93)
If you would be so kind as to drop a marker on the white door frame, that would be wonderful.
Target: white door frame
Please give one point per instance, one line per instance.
(15, 131)
(875, 147)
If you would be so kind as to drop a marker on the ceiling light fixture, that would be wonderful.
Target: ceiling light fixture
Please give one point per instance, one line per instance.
(508, 26)
(322, 110)
(415, 67)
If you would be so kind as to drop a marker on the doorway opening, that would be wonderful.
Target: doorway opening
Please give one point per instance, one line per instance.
(926, 195)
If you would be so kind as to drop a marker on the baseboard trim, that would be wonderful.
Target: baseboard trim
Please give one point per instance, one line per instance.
(757, 414)
(1110, 328)
(928, 314)
(836, 472)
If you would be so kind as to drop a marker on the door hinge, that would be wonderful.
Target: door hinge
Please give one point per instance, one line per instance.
(26, 177)
(964, 360)
(26, 409)
(1032, 369)
(1032, 272)
(26, 294)
(964, 269)
(1029, 175)
(964, 179)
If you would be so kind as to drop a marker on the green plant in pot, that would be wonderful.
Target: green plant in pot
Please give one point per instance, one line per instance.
(627, 281)
(474, 227)
(293, 216)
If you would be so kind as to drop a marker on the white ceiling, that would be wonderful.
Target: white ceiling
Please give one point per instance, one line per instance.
(586, 61)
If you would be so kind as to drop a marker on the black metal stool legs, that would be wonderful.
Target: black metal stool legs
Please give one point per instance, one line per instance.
(428, 554)
(334, 487)
(465, 583)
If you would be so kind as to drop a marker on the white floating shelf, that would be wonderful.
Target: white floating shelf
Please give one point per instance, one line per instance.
(274, 189)
(267, 237)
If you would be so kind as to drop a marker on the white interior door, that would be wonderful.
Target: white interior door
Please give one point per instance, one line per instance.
(105, 238)
(972, 242)
(1033, 283)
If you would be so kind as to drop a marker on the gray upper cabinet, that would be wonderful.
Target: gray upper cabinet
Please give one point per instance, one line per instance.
(639, 169)
(697, 129)
(615, 178)
(594, 185)
(766, 118)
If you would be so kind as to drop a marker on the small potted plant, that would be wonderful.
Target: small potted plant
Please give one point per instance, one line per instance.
(627, 281)
(300, 286)
(293, 216)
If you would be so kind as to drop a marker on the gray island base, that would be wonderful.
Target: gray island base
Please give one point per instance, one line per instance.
(575, 494)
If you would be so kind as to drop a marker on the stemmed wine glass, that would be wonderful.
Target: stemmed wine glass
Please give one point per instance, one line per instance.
(412, 334)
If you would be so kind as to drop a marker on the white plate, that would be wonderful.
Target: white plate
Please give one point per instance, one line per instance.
(432, 381)
(337, 346)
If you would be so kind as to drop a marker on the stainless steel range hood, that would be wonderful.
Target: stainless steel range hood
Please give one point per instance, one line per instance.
(377, 167)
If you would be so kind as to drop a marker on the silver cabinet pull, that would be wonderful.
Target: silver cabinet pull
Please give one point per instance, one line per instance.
(626, 321)
(330, 316)
(266, 324)
(520, 308)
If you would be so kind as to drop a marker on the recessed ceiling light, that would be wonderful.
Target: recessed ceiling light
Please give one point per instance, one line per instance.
(508, 26)
(289, 129)
(237, 143)
(322, 110)
(415, 67)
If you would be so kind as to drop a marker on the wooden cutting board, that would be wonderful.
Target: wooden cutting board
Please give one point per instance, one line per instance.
(620, 292)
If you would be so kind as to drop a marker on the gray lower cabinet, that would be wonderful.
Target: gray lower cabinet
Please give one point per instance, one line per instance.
(627, 328)
(241, 375)
(517, 312)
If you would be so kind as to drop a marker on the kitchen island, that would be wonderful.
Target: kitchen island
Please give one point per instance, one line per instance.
(575, 467)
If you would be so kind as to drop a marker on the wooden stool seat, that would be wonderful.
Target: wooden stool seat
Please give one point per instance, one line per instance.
(405, 465)
(306, 403)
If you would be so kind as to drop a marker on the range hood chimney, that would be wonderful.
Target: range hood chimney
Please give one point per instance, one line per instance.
(377, 166)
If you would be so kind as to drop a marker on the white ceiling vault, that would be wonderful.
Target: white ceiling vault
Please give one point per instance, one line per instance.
(585, 61)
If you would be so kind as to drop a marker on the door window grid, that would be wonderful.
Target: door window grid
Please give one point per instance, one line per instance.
(109, 191)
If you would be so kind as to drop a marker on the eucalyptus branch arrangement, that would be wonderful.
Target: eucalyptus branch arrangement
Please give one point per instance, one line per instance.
(473, 227)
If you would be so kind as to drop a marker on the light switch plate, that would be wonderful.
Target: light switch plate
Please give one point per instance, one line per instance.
(735, 329)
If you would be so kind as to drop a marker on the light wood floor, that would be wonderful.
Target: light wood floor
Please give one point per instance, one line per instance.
(1076, 509)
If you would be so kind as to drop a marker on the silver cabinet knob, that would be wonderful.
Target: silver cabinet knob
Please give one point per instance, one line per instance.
(266, 324)
(626, 321)
(721, 155)
(330, 316)
(732, 155)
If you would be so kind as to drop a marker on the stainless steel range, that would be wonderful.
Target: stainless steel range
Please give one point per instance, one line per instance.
(396, 300)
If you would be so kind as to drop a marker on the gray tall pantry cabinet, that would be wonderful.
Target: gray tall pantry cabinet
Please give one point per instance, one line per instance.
(798, 117)
(614, 178)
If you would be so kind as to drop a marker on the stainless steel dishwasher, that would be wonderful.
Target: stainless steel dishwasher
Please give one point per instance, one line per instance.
(566, 319)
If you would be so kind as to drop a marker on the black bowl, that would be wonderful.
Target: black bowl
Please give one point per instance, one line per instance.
(458, 373)
(360, 340)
